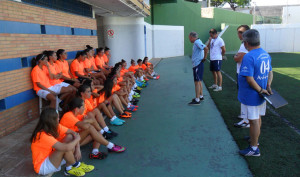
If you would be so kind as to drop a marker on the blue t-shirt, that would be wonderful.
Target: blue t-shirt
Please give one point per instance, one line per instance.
(198, 52)
(257, 64)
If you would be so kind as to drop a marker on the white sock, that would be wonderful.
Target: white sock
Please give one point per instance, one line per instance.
(154, 77)
(110, 145)
(69, 167)
(113, 118)
(141, 78)
(131, 92)
(128, 106)
(201, 96)
(197, 99)
(152, 74)
(101, 131)
(95, 151)
(254, 147)
(246, 120)
(106, 129)
(135, 86)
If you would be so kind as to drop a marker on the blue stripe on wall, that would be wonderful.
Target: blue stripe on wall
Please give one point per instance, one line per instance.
(17, 99)
(58, 30)
(24, 62)
(32, 28)
(19, 27)
(10, 64)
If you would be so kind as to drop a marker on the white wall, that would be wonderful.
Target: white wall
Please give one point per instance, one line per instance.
(279, 37)
(291, 14)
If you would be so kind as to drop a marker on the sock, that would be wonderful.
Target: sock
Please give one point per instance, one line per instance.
(95, 151)
(113, 118)
(220, 87)
(152, 74)
(141, 78)
(68, 168)
(201, 96)
(101, 131)
(154, 77)
(135, 86)
(197, 99)
(106, 129)
(110, 145)
(131, 92)
(246, 120)
(254, 147)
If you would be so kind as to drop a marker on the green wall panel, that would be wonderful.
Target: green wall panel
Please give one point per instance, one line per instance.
(188, 14)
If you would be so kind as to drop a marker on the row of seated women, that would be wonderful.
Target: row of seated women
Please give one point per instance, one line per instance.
(86, 90)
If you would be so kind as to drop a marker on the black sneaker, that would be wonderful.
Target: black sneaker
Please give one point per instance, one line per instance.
(137, 91)
(134, 102)
(194, 102)
(107, 135)
(114, 134)
(201, 99)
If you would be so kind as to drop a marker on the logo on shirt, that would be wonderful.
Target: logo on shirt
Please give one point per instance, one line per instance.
(244, 69)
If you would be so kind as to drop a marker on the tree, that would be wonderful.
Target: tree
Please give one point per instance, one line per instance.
(233, 3)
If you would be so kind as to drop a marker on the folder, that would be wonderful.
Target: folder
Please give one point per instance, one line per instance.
(275, 100)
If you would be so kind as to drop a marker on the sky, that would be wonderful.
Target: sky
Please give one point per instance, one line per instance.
(275, 2)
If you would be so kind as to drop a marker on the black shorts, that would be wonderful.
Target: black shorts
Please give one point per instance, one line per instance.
(215, 65)
(71, 82)
(198, 72)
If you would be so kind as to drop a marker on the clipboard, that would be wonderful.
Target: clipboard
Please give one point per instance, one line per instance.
(275, 100)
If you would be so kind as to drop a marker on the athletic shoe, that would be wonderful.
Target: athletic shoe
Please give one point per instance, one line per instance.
(213, 86)
(133, 109)
(74, 171)
(194, 102)
(128, 113)
(201, 99)
(242, 124)
(120, 120)
(137, 91)
(117, 148)
(99, 155)
(146, 79)
(247, 138)
(85, 168)
(139, 88)
(136, 96)
(124, 115)
(107, 136)
(114, 134)
(116, 122)
(157, 77)
(240, 117)
(217, 89)
(136, 100)
(250, 152)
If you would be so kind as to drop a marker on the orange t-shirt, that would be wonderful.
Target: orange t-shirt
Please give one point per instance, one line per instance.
(54, 70)
(133, 68)
(120, 79)
(105, 58)
(93, 100)
(64, 67)
(88, 107)
(39, 75)
(77, 66)
(42, 147)
(99, 61)
(123, 71)
(69, 120)
(87, 63)
(115, 88)
(101, 98)
(92, 60)
(144, 66)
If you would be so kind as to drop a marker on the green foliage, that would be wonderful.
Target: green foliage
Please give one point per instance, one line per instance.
(233, 3)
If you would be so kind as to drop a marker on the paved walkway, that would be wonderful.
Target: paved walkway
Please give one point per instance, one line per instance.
(166, 137)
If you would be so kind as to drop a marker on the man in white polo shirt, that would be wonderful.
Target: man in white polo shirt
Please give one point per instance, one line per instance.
(238, 59)
(217, 52)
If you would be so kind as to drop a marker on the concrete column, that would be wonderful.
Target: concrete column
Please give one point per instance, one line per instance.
(125, 37)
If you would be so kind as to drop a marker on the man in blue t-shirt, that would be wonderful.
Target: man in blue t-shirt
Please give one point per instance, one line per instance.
(254, 79)
(198, 57)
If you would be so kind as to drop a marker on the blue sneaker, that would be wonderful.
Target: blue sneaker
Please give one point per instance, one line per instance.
(116, 122)
(250, 152)
(120, 120)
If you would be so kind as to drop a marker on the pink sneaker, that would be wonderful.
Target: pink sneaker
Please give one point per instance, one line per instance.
(117, 148)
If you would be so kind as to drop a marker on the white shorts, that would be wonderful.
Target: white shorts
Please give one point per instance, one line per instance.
(47, 167)
(55, 88)
(253, 112)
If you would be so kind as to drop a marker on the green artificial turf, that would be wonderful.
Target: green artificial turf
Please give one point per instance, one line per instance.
(279, 144)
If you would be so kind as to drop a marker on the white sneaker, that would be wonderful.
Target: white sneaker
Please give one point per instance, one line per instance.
(240, 117)
(218, 89)
(213, 86)
(242, 124)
